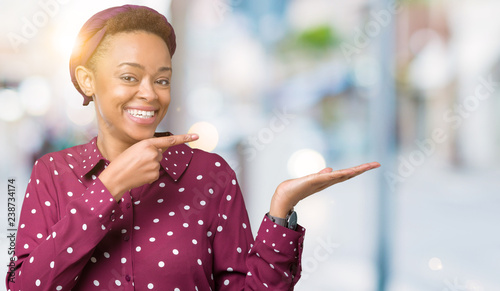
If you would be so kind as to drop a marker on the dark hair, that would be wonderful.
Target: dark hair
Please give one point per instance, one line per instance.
(134, 20)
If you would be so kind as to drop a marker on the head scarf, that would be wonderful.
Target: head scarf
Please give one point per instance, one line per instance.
(92, 33)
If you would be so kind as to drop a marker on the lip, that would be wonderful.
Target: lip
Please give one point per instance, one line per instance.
(144, 108)
(139, 120)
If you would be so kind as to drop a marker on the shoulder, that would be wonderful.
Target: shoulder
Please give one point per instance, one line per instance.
(70, 156)
(210, 160)
(199, 157)
(204, 163)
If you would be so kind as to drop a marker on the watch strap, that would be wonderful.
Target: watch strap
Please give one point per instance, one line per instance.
(292, 220)
(289, 222)
(278, 220)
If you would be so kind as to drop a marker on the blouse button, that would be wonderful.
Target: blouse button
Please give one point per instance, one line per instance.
(127, 277)
(126, 237)
(112, 217)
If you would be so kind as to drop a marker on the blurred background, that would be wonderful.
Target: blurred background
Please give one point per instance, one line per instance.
(282, 88)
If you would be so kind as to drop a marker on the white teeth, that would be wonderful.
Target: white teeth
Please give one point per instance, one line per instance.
(141, 113)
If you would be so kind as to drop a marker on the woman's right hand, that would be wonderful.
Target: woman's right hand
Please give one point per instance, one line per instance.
(139, 164)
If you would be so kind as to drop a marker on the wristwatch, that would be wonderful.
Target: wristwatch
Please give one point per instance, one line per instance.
(290, 221)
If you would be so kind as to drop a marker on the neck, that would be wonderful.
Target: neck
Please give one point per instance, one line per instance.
(111, 147)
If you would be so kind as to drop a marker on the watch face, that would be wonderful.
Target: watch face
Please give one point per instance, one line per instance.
(292, 220)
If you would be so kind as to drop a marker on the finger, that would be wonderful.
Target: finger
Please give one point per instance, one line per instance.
(160, 155)
(358, 170)
(327, 177)
(369, 166)
(165, 142)
(353, 171)
(365, 167)
(325, 170)
(362, 167)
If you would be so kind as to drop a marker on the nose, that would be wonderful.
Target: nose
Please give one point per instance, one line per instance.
(147, 90)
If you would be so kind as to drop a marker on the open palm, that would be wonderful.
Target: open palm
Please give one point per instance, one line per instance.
(290, 192)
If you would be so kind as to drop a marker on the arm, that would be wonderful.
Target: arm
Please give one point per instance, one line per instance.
(273, 260)
(290, 192)
(50, 253)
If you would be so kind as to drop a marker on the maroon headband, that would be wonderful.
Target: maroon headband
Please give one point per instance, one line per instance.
(92, 33)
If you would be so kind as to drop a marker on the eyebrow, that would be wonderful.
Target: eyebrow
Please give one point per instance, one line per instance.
(139, 66)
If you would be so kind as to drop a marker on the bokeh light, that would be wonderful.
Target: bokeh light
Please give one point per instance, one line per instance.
(435, 264)
(35, 95)
(305, 162)
(63, 38)
(209, 136)
(242, 58)
(12, 108)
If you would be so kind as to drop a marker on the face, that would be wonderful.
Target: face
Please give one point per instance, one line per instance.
(131, 86)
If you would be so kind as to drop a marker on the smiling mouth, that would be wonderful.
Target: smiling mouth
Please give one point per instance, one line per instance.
(141, 113)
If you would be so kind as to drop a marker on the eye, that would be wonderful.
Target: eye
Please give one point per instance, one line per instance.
(163, 82)
(128, 79)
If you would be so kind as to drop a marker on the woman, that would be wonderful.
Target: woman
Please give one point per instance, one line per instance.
(134, 209)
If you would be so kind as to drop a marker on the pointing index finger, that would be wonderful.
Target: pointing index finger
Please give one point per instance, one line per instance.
(165, 142)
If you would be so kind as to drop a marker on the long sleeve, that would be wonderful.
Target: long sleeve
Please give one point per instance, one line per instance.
(189, 230)
(272, 262)
(53, 245)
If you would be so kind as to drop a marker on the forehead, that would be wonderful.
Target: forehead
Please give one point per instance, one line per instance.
(135, 46)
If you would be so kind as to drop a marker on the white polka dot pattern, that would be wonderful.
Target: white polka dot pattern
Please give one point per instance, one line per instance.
(193, 217)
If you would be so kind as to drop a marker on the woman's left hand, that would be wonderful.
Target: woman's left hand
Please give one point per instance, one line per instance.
(290, 192)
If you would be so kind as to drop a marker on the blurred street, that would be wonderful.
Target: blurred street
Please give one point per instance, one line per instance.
(282, 89)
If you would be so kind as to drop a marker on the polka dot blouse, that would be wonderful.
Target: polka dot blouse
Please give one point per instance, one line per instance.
(189, 230)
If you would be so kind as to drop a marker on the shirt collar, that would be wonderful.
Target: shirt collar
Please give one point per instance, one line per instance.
(89, 158)
(175, 160)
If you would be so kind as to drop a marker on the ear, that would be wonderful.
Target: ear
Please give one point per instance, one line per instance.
(85, 78)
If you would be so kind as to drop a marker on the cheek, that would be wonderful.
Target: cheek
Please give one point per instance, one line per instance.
(108, 104)
(164, 98)
(113, 97)
(116, 92)
(107, 86)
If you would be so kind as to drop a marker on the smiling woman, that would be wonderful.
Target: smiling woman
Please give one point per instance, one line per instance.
(130, 86)
(136, 209)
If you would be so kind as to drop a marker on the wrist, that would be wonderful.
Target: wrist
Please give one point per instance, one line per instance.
(290, 221)
(279, 209)
(278, 213)
(112, 187)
